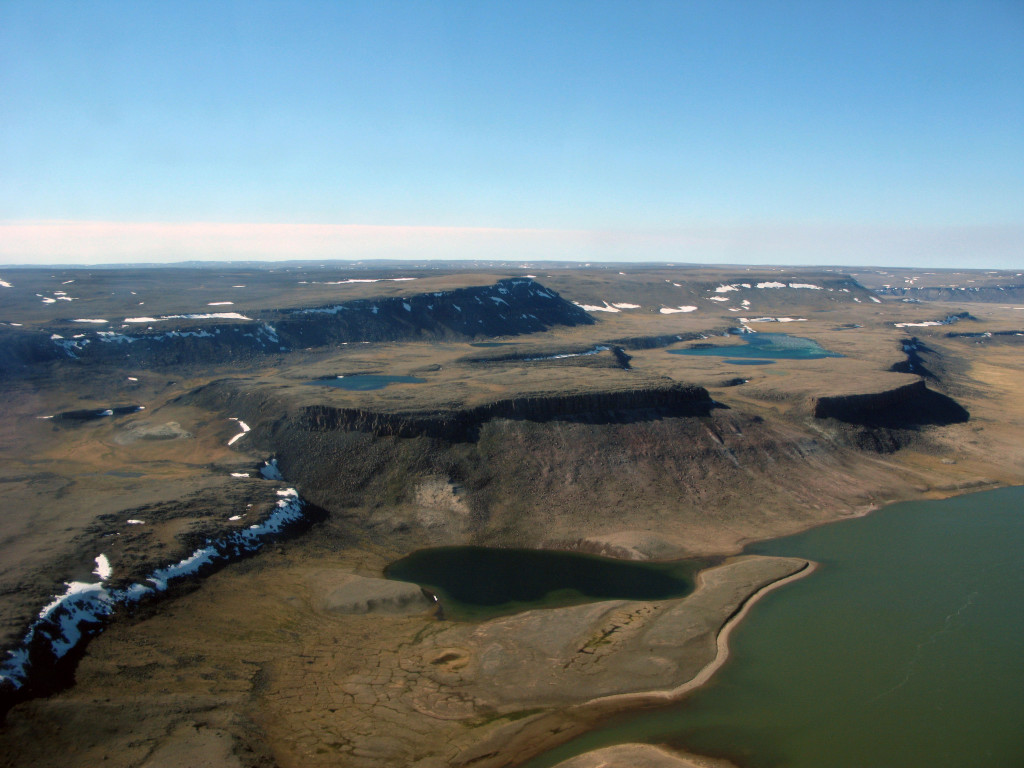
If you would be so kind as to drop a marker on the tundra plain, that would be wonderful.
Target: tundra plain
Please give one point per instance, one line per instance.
(547, 412)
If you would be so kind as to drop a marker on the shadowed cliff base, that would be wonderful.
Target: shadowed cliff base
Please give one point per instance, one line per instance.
(906, 407)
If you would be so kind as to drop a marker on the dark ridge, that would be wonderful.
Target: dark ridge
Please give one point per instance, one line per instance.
(97, 413)
(528, 356)
(462, 425)
(988, 293)
(655, 342)
(907, 407)
(913, 347)
(509, 307)
(622, 358)
(984, 335)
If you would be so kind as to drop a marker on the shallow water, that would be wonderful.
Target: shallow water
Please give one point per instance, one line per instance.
(478, 582)
(779, 346)
(362, 382)
(903, 649)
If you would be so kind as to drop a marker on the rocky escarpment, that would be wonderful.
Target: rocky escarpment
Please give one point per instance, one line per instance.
(508, 307)
(984, 337)
(985, 293)
(594, 407)
(913, 349)
(665, 340)
(909, 406)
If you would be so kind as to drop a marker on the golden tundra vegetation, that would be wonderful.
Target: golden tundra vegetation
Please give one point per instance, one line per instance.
(304, 654)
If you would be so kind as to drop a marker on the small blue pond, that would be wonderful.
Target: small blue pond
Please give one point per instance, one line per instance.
(362, 382)
(778, 346)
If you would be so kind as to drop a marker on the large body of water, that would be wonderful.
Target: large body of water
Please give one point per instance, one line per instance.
(904, 649)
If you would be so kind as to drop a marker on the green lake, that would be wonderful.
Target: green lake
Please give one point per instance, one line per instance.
(481, 582)
(904, 649)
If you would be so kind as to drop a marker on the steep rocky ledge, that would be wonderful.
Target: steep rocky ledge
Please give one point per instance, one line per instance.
(595, 407)
(905, 407)
(986, 293)
(508, 307)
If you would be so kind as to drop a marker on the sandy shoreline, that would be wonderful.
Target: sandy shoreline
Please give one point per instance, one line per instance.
(630, 755)
(724, 595)
(722, 641)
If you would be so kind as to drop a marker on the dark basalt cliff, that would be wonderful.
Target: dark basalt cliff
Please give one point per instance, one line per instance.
(906, 407)
(594, 407)
(987, 293)
(508, 307)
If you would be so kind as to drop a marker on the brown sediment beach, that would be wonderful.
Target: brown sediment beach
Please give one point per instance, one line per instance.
(639, 756)
(382, 687)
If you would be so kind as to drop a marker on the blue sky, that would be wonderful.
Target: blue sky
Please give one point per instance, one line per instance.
(793, 132)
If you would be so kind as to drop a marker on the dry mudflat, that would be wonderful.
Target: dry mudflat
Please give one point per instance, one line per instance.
(304, 655)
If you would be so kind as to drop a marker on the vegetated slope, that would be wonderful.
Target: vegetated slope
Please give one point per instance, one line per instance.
(508, 307)
(578, 472)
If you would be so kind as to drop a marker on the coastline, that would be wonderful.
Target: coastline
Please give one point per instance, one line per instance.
(526, 741)
(722, 643)
(630, 754)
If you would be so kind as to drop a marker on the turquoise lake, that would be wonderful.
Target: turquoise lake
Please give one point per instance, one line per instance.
(904, 649)
(778, 346)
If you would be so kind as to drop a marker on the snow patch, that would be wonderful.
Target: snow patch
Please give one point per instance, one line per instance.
(671, 310)
(244, 427)
(200, 316)
(87, 320)
(103, 569)
(594, 308)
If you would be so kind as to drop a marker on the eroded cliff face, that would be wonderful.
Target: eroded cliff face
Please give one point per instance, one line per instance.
(908, 406)
(988, 293)
(508, 307)
(464, 424)
(596, 471)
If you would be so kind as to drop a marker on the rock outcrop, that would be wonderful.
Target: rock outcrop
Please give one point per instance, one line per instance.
(508, 307)
(984, 293)
(909, 406)
(598, 407)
